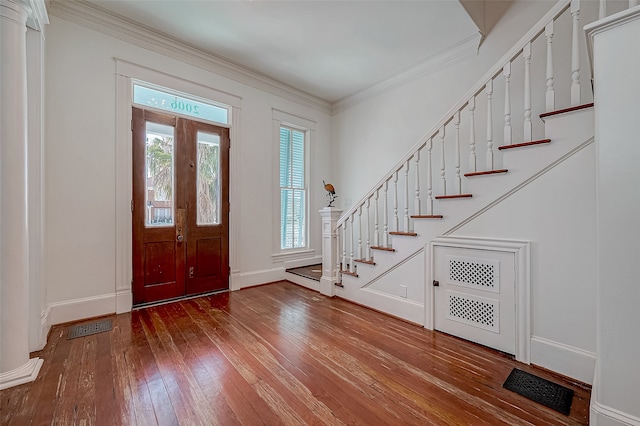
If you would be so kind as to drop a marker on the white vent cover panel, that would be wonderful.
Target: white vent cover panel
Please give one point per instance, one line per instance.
(480, 274)
(472, 310)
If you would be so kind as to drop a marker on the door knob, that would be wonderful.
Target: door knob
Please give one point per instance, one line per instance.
(179, 238)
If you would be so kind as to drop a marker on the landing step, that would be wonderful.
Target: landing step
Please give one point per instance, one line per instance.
(429, 216)
(451, 197)
(382, 248)
(406, 234)
(365, 261)
(520, 145)
(312, 272)
(353, 274)
(339, 285)
(562, 111)
(486, 172)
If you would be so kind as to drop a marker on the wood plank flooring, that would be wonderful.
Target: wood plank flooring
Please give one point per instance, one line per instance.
(270, 355)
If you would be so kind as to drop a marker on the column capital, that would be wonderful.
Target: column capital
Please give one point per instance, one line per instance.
(33, 13)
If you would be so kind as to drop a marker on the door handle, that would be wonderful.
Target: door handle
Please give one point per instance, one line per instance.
(180, 216)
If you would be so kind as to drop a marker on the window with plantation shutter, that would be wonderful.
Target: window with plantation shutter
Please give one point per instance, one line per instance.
(293, 232)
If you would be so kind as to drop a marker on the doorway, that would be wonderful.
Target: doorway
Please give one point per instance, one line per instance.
(180, 207)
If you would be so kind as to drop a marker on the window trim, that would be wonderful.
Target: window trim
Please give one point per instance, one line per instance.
(308, 127)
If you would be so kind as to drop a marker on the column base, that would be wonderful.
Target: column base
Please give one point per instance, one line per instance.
(23, 374)
(326, 286)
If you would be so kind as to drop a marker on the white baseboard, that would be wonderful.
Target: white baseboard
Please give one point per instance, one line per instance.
(383, 302)
(241, 280)
(24, 374)
(45, 326)
(77, 309)
(603, 415)
(124, 300)
(564, 359)
(302, 281)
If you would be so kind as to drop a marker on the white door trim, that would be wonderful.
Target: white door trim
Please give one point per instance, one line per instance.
(125, 72)
(521, 251)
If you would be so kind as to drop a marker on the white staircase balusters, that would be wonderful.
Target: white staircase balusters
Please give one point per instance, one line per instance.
(429, 178)
(396, 220)
(360, 232)
(343, 265)
(472, 134)
(456, 123)
(416, 207)
(526, 52)
(575, 54)
(385, 233)
(550, 94)
(506, 73)
(406, 198)
(338, 262)
(489, 91)
(443, 164)
(368, 241)
(352, 266)
(376, 232)
(602, 11)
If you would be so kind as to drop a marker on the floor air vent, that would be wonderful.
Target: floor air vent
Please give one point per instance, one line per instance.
(89, 328)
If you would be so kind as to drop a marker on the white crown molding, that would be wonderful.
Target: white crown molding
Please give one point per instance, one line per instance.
(121, 28)
(457, 51)
(38, 17)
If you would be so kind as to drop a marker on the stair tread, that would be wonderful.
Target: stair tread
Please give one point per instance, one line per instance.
(382, 248)
(523, 144)
(429, 216)
(408, 234)
(365, 261)
(486, 172)
(449, 197)
(562, 111)
(353, 274)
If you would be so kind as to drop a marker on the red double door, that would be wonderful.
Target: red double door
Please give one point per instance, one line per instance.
(180, 207)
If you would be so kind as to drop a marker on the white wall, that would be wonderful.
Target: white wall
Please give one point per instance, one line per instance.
(556, 212)
(80, 165)
(379, 130)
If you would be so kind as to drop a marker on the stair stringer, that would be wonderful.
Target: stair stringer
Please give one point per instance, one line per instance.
(375, 286)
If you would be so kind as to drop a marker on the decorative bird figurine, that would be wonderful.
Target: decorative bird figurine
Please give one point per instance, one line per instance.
(331, 193)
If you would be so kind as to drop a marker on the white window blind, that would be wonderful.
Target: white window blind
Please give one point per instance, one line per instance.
(292, 189)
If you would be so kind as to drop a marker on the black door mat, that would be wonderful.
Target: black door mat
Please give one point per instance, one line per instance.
(89, 328)
(540, 390)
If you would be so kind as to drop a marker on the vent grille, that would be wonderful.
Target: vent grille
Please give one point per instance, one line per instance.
(474, 273)
(475, 311)
(87, 329)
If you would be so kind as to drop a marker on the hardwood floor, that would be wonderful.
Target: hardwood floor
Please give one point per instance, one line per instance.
(274, 354)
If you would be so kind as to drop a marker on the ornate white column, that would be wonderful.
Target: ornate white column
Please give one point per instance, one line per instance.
(15, 365)
(330, 216)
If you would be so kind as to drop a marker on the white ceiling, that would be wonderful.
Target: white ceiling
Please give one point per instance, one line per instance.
(329, 49)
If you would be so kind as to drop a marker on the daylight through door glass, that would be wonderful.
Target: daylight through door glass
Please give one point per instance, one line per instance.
(159, 174)
(208, 181)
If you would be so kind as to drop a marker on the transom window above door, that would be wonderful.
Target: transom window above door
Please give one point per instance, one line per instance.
(147, 95)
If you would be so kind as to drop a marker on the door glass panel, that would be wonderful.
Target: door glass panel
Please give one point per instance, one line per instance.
(208, 181)
(159, 173)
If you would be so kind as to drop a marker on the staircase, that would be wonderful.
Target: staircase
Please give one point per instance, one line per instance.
(477, 156)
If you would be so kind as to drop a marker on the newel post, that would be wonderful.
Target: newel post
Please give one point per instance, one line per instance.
(330, 216)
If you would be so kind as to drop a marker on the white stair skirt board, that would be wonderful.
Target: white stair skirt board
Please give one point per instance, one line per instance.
(23, 374)
(496, 324)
